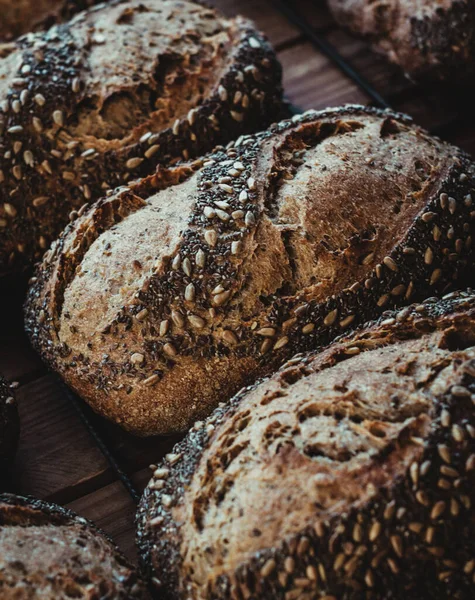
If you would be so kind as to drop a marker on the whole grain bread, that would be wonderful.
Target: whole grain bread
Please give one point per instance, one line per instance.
(48, 552)
(349, 474)
(429, 40)
(168, 296)
(9, 424)
(107, 96)
(22, 16)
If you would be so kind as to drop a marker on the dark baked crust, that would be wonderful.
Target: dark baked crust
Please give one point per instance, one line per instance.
(167, 297)
(429, 40)
(397, 524)
(22, 16)
(47, 551)
(78, 115)
(9, 424)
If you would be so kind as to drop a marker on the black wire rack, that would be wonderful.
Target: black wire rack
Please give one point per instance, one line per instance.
(96, 426)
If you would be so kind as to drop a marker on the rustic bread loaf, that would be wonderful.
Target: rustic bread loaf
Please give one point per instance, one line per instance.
(22, 16)
(348, 474)
(49, 552)
(104, 98)
(168, 296)
(429, 40)
(9, 424)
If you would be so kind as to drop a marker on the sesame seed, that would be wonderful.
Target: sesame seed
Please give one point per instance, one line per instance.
(137, 358)
(331, 317)
(186, 267)
(223, 94)
(268, 567)
(266, 332)
(283, 341)
(458, 433)
(170, 349)
(152, 151)
(141, 315)
(190, 292)
(164, 325)
(438, 509)
(308, 328)
(226, 188)
(390, 263)
(237, 116)
(347, 321)
(134, 162)
(196, 321)
(435, 276)
(200, 258)
(152, 380)
(444, 453)
(40, 99)
(58, 117)
(9, 209)
(428, 256)
(249, 219)
(211, 237)
(178, 318)
(15, 129)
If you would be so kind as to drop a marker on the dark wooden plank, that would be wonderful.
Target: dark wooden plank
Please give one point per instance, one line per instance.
(57, 458)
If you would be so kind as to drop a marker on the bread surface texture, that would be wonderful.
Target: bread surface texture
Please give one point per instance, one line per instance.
(168, 296)
(48, 552)
(103, 98)
(23, 16)
(348, 474)
(429, 40)
(9, 424)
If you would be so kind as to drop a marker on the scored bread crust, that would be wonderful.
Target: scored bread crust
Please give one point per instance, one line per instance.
(78, 115)
(22, 16)
(47, 551)
(429, 40)
(348, 474)
(9, 424)
(167, 297)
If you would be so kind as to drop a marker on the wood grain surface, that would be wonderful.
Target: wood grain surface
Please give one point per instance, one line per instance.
(58, 459)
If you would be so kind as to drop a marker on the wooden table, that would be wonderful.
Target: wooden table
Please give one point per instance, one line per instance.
(58, 458)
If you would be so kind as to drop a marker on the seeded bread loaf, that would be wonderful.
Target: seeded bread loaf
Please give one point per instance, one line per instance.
(104, 98)
(9, 424)
(348, 474)
(48, 552)
(22, 16)
(429, 40)
(168, 296)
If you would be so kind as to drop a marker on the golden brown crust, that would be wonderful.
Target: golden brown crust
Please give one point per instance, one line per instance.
(78, 115)
(47, 551)
(429, 40)
(167, 297)
(347, 474)
(9, 424)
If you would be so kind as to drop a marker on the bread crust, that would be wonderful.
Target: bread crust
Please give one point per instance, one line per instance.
(78, 116)
(9, 424)
(48, 551)
(428, 40)
(155, 333)
(392, 520)
(22, 16)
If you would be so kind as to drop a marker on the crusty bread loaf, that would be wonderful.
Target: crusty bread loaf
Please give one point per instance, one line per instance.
(9, 424)
(48, 552)
(168, 296)
(22, 16)
(104, 98)
(349, 474)
(429, 40)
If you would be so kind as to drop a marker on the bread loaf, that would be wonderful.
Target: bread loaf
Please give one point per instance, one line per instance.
(9, 424)
(49, 552)
(22, 16)
(104, 98)
(349, 474)
(429, 40)
(168, 296)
